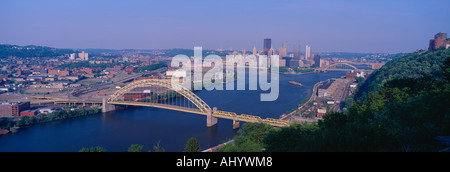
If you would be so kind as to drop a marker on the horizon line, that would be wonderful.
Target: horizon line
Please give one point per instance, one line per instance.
(114, 49)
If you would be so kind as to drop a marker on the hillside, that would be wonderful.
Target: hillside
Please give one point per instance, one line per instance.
(7, 50)
(414, 65)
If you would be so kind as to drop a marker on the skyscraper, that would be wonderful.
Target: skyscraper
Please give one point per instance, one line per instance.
(297, 52)
(316, 61)
(308, 52)
(83, 56)
(255, 51)
(267, 45)
(269, 56)
(283, 50)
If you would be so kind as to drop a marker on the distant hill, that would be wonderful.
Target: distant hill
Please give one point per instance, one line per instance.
(7, 50)
(358, 55)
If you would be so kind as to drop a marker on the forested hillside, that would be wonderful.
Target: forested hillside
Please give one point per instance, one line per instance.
(414, 65)
(7, 50)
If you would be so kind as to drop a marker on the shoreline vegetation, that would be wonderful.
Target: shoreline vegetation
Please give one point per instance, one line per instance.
(13, 124)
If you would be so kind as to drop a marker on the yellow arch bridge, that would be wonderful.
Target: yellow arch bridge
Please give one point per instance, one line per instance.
(166, 95)
(338, 67)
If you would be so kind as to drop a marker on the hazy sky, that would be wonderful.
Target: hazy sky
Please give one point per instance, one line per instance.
(325, 25)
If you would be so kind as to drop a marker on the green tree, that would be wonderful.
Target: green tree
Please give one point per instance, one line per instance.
(192, 145)
(255, 132)
(25, 120)
(295, 138)
(242, 144)
(6, 123)
(158, 148)
(250, 138)
(93, 149)
(136, 148)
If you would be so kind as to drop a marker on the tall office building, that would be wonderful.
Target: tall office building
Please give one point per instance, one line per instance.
(297, 55)
(83, 56)
(316, 61)
(267, 45)
(282, 52)
(308, 52)
(269, 56)
(255, 51)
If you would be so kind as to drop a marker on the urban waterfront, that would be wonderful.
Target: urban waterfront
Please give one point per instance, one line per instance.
(117, 130)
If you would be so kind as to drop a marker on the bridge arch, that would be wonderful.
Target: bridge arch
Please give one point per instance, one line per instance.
(201, 107)
(340, 64)
(194, 99)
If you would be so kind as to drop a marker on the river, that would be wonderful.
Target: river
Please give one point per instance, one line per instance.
(116, 131)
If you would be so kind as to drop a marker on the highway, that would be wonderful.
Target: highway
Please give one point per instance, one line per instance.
(108, 85)
(337, 106)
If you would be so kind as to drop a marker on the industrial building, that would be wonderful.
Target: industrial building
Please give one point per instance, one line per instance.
(13, 109)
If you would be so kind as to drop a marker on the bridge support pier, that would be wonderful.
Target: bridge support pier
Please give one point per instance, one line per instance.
(211, 120)
(236, 124)
(107, 107)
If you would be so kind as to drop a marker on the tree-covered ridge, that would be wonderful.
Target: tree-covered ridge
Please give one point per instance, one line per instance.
(414, 65)
(7, 50)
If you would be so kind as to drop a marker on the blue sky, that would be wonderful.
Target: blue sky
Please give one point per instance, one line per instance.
(326, 25)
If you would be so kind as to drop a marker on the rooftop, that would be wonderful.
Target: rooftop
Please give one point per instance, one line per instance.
(11, 103)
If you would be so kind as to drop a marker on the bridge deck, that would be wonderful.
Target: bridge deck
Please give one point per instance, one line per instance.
(218, 114)
(157, 105)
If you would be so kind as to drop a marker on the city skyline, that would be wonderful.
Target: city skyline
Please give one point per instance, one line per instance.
(328, 26)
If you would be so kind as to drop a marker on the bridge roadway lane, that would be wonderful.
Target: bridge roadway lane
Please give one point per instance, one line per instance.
(218, 114)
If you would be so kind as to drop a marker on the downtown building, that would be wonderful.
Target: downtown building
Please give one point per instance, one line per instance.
(267, 46)
(296, 60)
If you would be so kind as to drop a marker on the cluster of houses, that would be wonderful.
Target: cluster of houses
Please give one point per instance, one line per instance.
(19, 73)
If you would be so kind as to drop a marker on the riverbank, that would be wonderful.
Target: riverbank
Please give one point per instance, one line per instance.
(290, 73)
(9, 130)
(13, 124)
(304, 105)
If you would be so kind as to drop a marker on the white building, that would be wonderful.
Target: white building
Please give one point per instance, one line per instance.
(176, 73)
(308, 52)
(360, 74)
(46, 110)
(72, 56)
(83, 56)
